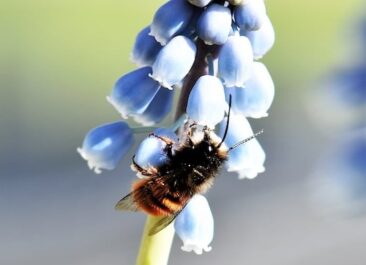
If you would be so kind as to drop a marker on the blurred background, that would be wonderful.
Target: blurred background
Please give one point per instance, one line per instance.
(58, 61)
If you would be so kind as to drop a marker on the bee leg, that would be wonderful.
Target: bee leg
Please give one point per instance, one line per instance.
(190, 142)
(169, 144)
(206, 132)
(169, 151)
(145, 172)
(164, 139)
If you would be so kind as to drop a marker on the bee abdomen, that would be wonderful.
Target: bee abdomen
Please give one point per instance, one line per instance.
(154, 198)
(174, 203)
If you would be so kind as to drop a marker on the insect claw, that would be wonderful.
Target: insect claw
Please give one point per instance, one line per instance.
(164, 139)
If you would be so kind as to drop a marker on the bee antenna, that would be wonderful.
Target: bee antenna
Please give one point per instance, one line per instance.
(227, 123)
(246, 140)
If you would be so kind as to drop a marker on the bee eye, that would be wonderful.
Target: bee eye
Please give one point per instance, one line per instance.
(210, 148)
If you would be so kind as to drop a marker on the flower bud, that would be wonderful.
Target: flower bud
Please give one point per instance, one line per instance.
(206, 102)
(195, 225)
(174, 61)
(214, 24)
(171, 19)
(152, 151)
(158, 108)
(235, 61)
(262, 40)
(133, 92)
(247, 159)
(256, 97)
(145, 49)
(104, 146)
(249, 16)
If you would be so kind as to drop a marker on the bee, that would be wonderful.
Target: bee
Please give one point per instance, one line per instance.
(193, 162)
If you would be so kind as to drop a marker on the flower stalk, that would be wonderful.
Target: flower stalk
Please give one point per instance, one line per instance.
(199, 68)
(155, 249)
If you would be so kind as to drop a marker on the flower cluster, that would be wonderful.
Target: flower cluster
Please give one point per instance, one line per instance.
(339, 183)
(341, 177)
(232, 36)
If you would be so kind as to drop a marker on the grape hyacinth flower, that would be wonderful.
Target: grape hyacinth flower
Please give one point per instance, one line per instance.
(207, 49)
(250, 15)
(348, 86)
(262, 39)
(235, 61)
(152, 151)
(171, 19)
(104, 146)
(256, 97)
(145, 49)
(158, 108)
(174, 61)
(338, 184)
(195, 225)
(214, 24)
(133, 92)
(246, 160)
(199, 104)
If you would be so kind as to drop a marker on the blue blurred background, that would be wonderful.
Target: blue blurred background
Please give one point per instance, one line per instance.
(58, 61)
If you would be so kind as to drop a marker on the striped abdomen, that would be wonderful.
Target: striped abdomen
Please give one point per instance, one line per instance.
(154, 196)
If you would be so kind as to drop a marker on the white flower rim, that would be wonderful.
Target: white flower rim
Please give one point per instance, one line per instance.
(93, 165)
(198, 249)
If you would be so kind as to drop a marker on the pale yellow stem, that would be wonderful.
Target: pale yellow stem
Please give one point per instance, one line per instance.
(155, 250)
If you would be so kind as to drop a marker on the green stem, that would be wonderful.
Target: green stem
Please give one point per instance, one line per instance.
(138, 130)
(210, 62)
(155, 250)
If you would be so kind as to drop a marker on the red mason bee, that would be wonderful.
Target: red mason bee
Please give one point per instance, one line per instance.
(193, 162)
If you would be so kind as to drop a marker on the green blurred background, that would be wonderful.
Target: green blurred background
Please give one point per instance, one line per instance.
(58, 61)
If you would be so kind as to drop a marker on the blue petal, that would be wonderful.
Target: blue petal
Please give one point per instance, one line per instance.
(214, 25)
(104, 146)
(206, 102)
(133, 92)
(171, 19)
(256, 97)
(262, 40)
(152, 151)
(200, 3)
(195, 225)
(247, 159)
(158, 108)
(174, 61)
(145, 49)
(250, 15)
(235, 61)
(353, 153)
(348, 86)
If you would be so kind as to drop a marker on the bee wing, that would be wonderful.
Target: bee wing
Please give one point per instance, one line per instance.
(162, 223)
(127, 203)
